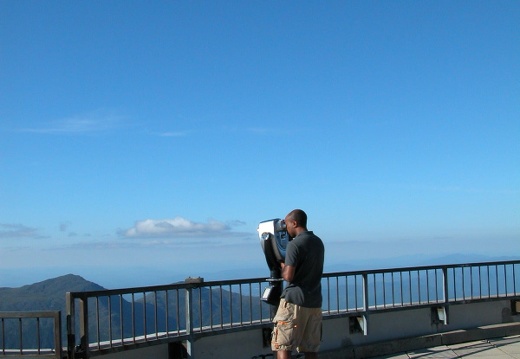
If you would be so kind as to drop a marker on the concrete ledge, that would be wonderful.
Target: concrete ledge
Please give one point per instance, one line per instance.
(422, 342)
(480, 333)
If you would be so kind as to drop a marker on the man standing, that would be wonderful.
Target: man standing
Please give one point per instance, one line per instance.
(298, 318)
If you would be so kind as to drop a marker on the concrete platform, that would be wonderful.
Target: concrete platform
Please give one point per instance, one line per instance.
(497, 348)
(494, 341)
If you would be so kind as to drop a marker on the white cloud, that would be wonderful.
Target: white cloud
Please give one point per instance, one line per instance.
(178, 227)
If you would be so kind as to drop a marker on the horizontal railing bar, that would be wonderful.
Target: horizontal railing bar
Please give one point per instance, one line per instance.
(30, 314)
(158, 288)
(420, 268)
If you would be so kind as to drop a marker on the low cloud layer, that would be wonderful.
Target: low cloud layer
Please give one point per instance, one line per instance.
(17, 231)
(177, 227)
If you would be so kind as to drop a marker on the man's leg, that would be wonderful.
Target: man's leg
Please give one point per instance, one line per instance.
(311, 339)
(283, 339)
(283, 354)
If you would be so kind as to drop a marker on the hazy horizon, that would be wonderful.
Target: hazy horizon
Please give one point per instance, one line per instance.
(115, 278)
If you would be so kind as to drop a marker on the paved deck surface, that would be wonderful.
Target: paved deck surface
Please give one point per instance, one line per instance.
(497, 348)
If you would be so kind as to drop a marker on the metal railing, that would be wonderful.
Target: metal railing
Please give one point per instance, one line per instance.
(401, 288)
(107, 320)
(111, 319)
(22, 334)
(100, 322)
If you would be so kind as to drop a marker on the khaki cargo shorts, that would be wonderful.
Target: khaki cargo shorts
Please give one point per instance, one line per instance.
(297, 328)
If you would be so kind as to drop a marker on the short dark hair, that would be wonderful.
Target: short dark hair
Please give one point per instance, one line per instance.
(299, 216)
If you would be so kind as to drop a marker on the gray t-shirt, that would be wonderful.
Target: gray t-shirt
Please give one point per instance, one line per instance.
(306, 253)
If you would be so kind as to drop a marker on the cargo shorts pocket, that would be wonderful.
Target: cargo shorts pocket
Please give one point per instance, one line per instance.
(283, 337)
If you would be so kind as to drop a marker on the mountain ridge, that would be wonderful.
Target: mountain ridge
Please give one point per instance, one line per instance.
(48, 294)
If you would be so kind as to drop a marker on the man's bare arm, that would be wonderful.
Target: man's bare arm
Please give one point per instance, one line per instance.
(288, 272)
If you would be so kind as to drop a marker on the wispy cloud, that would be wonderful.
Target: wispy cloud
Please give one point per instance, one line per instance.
(94, 122)
(17, 231)
(257, 131)
(173, 134)
(267, 131)
(178, 227)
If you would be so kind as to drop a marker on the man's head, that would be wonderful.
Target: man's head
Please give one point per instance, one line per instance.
(296, 222)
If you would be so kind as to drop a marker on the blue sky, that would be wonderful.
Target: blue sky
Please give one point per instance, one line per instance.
(141, 143)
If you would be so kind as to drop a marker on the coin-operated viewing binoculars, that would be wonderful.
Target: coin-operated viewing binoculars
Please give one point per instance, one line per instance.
(273, 239)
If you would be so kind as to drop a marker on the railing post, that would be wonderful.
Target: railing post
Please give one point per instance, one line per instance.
(365, 304)
(446, 290)
(189, 314)
(365, 292)
(189, 321)
(83, 327)
(83, 352)
(71, 328)
(57, 334)
(445, 284)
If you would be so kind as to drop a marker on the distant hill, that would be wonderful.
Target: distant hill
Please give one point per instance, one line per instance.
(42, 296)
(46, 295)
